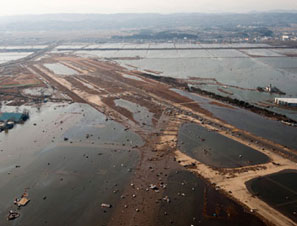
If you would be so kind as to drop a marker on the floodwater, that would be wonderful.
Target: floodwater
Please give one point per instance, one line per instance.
(140, 114)
(282, 193)
(70, 160)
(216, 150)
(60, 69)
(39, 91)
(239, 71)
(228, 66)
(253, 123)
(20, 48)
(251, 96)
(262, 52)
(193, 202)
(9, 56)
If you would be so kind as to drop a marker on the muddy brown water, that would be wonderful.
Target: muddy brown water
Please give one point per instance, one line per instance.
(278, 190)
(67, 180)
(140, 113)
(216, 150)
(194, 202)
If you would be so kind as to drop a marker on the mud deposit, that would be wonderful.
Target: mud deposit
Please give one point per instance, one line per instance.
(193, 202)
(88, 161)
(140, 114)
(278, 190)
(216, 150)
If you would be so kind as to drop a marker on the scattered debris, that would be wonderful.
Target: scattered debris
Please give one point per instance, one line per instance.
(12, 215)
(166, 198)
(105, 205)
(191, 165)
(23, 201)
(154, 187)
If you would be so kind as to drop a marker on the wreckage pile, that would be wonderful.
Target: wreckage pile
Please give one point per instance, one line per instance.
(19, 202)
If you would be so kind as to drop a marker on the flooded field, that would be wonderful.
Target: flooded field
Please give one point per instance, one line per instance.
(243, 72)
(9, 56)
(193, 202)
(254, 123)
(140, 114)
(216, 150)
(126, 148)
(60, 69)
(70, 160)
(39, 91)
(22, 48)
(278, 190)
(237, 72)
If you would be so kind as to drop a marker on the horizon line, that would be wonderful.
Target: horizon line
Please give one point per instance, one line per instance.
(155, 13)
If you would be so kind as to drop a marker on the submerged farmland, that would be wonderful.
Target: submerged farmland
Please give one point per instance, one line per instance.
(116, 135)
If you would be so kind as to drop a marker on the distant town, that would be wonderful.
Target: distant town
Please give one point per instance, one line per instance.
(270, 27)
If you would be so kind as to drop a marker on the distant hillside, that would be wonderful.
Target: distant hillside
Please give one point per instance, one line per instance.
(64, 22)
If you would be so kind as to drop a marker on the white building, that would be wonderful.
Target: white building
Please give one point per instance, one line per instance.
(292, 102)
(285, 37)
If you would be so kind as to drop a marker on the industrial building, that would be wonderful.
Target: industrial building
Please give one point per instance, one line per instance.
(292, 102)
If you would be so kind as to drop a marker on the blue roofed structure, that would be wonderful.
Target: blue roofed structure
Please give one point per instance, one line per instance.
(9, 116)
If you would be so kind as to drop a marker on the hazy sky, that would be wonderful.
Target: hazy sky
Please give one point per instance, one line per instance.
(12, 7)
